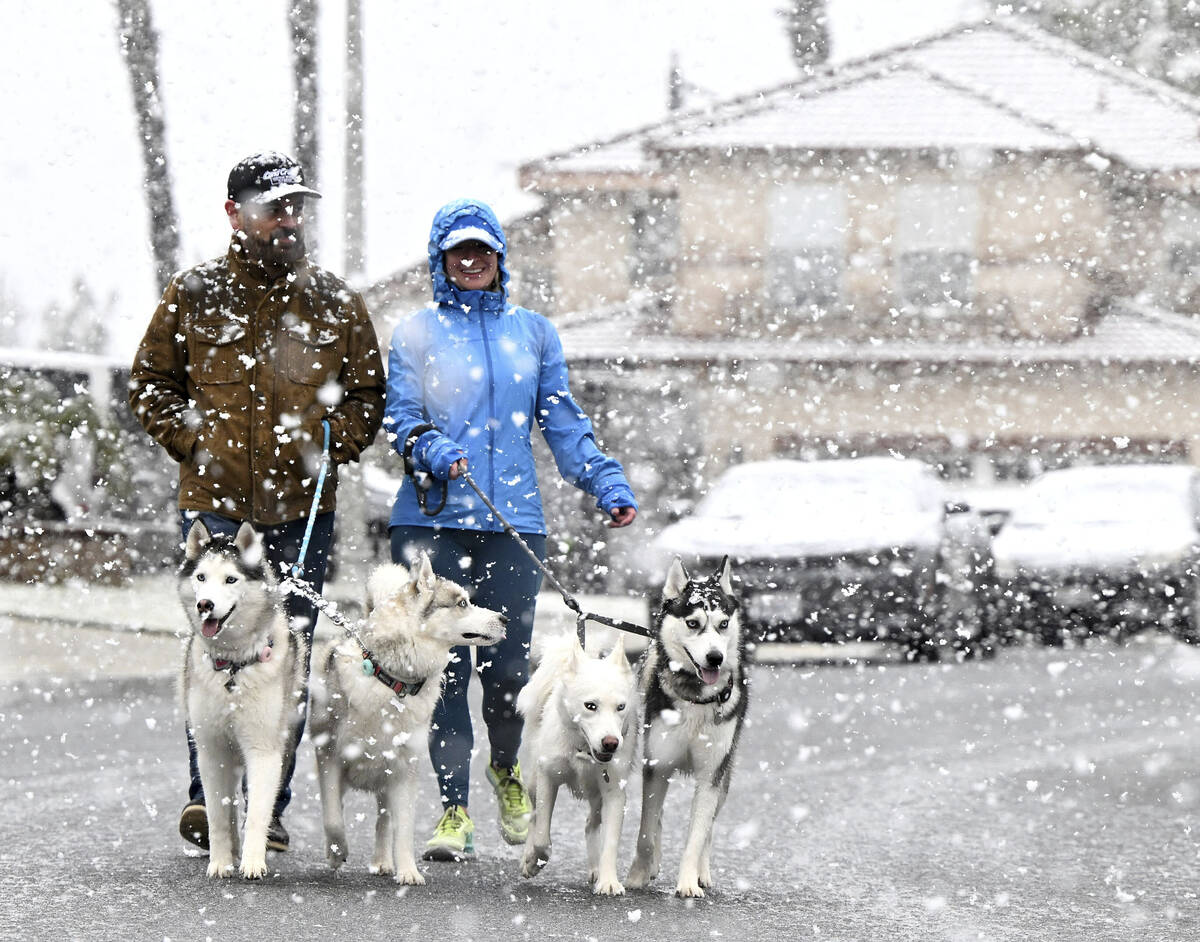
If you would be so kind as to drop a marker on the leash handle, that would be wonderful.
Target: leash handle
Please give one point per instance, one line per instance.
(423, 481)
(298, 568)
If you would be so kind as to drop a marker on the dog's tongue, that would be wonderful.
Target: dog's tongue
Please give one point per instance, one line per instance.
(210, 627)
(709, 675)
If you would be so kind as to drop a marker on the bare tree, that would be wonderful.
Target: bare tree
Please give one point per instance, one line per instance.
(139, 48)
(354, 257)
(302, 21)
(807, 28)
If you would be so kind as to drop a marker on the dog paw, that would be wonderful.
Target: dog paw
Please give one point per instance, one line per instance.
(335, 855)
(253, 869)
(336, 851)
(689, 889)
(381, 868)
(218, 870)
(639, 877)
(533, 860)
(411, 877)
(608, 886)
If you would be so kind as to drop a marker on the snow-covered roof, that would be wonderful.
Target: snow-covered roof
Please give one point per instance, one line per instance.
(1131, 333)
(999, 85)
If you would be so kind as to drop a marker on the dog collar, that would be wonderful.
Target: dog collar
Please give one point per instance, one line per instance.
(401, 688)
(222, 664)
(586, 755)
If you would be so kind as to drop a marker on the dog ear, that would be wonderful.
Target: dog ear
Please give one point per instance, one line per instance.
(617, 654)
(198, 537)
(575, 652)
(723, 577)
(422, 573)
(249, 544)
(677, 578)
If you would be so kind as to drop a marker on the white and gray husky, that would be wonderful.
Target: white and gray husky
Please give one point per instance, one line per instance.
(580, 731)
(242, 686)
(693, 685)
(373, 698)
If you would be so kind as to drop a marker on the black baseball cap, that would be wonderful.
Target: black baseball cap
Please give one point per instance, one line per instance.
(266, 177)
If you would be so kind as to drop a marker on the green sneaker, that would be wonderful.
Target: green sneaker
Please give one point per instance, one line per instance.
(515, 808)
(453, 838)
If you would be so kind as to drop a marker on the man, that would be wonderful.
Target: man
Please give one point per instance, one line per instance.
(243, 359)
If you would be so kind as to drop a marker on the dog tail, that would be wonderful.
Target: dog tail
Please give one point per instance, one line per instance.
(559, 655)
(385, 582)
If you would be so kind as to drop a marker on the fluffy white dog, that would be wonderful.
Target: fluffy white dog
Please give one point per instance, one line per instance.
(580, 731)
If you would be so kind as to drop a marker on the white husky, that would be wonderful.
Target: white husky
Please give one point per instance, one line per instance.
(693, 684)
(580, 731)
(242, 688)
(372, 703)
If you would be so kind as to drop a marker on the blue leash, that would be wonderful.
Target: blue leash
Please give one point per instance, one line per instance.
(295, 581)
(298, 568)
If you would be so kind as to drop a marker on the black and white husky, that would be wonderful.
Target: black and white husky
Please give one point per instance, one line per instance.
(372, 701)
(580, 731)
(242, 686)
(693, 684)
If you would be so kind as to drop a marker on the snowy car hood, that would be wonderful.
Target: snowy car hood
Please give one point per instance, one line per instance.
(1090, 545)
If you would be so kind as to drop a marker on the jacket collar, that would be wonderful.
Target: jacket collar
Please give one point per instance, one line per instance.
(488, 302)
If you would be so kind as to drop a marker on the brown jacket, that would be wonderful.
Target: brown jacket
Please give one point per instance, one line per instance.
(235, 374)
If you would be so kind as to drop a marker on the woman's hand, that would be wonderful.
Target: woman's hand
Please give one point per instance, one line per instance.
(622, 517)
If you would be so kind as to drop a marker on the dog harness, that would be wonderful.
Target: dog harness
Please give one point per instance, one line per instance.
(401, 688)
(221, 664)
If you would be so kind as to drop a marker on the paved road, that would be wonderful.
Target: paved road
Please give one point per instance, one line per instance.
(1044, 795)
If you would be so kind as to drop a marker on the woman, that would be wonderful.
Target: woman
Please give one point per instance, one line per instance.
(470, 376)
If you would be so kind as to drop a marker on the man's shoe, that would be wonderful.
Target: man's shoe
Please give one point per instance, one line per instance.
(277, 835)
(193, 824)
(515, 807)
(453, 838)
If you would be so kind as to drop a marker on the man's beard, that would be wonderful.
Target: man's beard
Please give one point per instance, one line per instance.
(273, 253)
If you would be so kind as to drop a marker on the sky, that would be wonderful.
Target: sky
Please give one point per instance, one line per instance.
(457, 98)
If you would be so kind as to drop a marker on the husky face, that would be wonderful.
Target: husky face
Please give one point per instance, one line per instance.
(441, 608)
(221, 576)
(699, 629)
(596, 699)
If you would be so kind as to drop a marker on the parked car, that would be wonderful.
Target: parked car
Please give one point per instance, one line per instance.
(840, 550)
(1102, 549)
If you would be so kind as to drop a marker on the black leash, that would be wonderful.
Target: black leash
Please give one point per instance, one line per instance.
(423, 481)
(581, 617)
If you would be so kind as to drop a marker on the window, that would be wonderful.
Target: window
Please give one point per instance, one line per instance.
(655, 239)
(1181, 236)
(806, 245)
(936, 226)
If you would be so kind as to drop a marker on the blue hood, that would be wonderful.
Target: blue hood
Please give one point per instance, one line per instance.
(443, 291)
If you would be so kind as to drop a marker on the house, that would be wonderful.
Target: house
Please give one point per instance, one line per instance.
(982, 249)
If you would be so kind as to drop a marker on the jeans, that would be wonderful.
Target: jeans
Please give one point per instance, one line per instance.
(500, 576)
(281, 544)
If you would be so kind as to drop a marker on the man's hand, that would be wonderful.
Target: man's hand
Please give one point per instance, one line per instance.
(458, 468)
(622, 517)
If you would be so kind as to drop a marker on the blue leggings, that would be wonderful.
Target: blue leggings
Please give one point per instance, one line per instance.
(502, 577)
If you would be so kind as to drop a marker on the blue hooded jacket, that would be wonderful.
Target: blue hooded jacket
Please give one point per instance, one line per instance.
(483, 371)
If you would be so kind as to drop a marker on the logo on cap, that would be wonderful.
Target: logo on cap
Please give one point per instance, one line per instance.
(282, 176)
